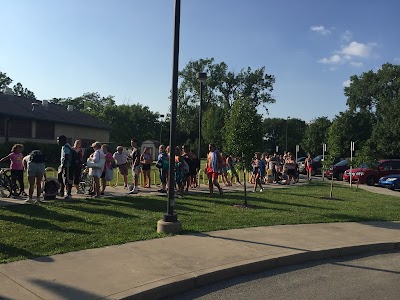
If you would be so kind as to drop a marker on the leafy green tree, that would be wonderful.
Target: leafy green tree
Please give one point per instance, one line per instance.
(212, 131)
(315, 135)
(243, 131)
(371, 90)
(346, 127)
(19, 90)
(5, 81)
(379, 93)
(275, 133)
(221, 89)
(128, 121)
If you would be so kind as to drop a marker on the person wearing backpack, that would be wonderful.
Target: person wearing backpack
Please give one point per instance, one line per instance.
(65, 170)
(77, 161)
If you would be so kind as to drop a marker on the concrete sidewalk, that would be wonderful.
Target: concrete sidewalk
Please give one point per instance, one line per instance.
(166, 266)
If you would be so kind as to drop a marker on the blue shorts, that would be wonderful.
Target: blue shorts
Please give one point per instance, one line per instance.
(135, 171)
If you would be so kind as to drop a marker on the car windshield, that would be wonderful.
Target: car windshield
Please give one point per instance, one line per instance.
(341, 163)
(374, 165)
(301, 159)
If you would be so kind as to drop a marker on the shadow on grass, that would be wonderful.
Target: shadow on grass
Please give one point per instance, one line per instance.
(42, 212)
(11, 251)
(101, 211)
(40, 224)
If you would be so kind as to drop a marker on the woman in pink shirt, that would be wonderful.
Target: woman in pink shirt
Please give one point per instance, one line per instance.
(107, 166)
(16, 165)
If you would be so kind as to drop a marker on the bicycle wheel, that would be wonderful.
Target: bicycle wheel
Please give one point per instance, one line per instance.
(15, 188)
(86, 184)
(5, 189)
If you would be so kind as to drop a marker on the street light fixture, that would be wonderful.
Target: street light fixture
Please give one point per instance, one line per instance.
(201, 77)
(161, 116)
(287, 123)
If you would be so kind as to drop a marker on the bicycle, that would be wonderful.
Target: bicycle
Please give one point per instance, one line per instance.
(86, 181)
(8, 185)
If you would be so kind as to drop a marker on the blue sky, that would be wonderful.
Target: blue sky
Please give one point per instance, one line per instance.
(124, 47)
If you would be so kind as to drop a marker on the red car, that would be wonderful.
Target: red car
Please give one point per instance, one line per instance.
(371, 174)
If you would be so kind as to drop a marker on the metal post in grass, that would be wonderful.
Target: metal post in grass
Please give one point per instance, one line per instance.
(169, 222)
(351, 162)
(201, 77)
(244, 181)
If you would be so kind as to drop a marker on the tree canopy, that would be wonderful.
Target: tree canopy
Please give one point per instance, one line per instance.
(315, 135)
(18, 89)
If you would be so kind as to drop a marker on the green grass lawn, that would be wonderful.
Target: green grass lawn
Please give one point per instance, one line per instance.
(29, 231)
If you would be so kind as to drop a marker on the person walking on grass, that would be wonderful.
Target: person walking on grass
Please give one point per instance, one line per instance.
(291, 168)
(16, 166)
(135, 157)
(309, 166)
(122, 163)
(163, 166)
(146, 161)
(106, 175)
(213, 167)
(65, 172)
(34, 163)
(230, 165)
(98, 158)
(179, 173)
(257, 172)
(78, 168)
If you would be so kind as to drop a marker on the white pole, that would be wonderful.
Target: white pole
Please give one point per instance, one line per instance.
(351, 162)
(323, 159)
(297, 150)
(277, 149)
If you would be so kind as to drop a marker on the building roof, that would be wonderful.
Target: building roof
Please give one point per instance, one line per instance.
(15, 106)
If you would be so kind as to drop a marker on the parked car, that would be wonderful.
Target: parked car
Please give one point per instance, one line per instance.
(317, 164)
(391, 181)
(371, 174)
(337, 170)
(300, 163)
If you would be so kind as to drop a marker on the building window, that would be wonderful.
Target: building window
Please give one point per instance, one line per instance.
(44, 130)
(21, 128)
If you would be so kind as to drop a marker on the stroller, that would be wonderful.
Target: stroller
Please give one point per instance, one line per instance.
(50, 186)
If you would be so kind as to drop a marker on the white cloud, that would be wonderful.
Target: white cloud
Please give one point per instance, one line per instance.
(333, 60)
(358, 49)
(320, 29)
(356, 63)
(346, 83)
(346, 36)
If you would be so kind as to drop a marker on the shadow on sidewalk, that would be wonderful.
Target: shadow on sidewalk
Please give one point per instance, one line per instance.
(62, 291)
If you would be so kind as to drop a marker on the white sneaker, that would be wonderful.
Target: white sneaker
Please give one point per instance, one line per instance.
(261, 190)
(30, 200)
(134, 191)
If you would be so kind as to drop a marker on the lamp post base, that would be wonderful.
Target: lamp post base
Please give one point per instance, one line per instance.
(169, 227)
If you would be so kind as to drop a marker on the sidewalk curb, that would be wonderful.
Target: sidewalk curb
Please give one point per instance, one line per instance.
(192, 281)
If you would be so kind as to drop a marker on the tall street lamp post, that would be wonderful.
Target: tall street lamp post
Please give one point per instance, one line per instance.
(169, 222)
(161, 116)
(287, 123)
(201, 77)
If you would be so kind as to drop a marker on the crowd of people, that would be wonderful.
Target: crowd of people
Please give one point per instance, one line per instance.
(266, 168)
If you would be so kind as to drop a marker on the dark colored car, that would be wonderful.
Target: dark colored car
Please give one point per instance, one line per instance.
(371, 174)
(391, 181)
(317, 164)
(337, 170)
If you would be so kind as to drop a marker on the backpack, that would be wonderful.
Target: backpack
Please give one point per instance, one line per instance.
(185, 165)
(75, 159)
(37, 156)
